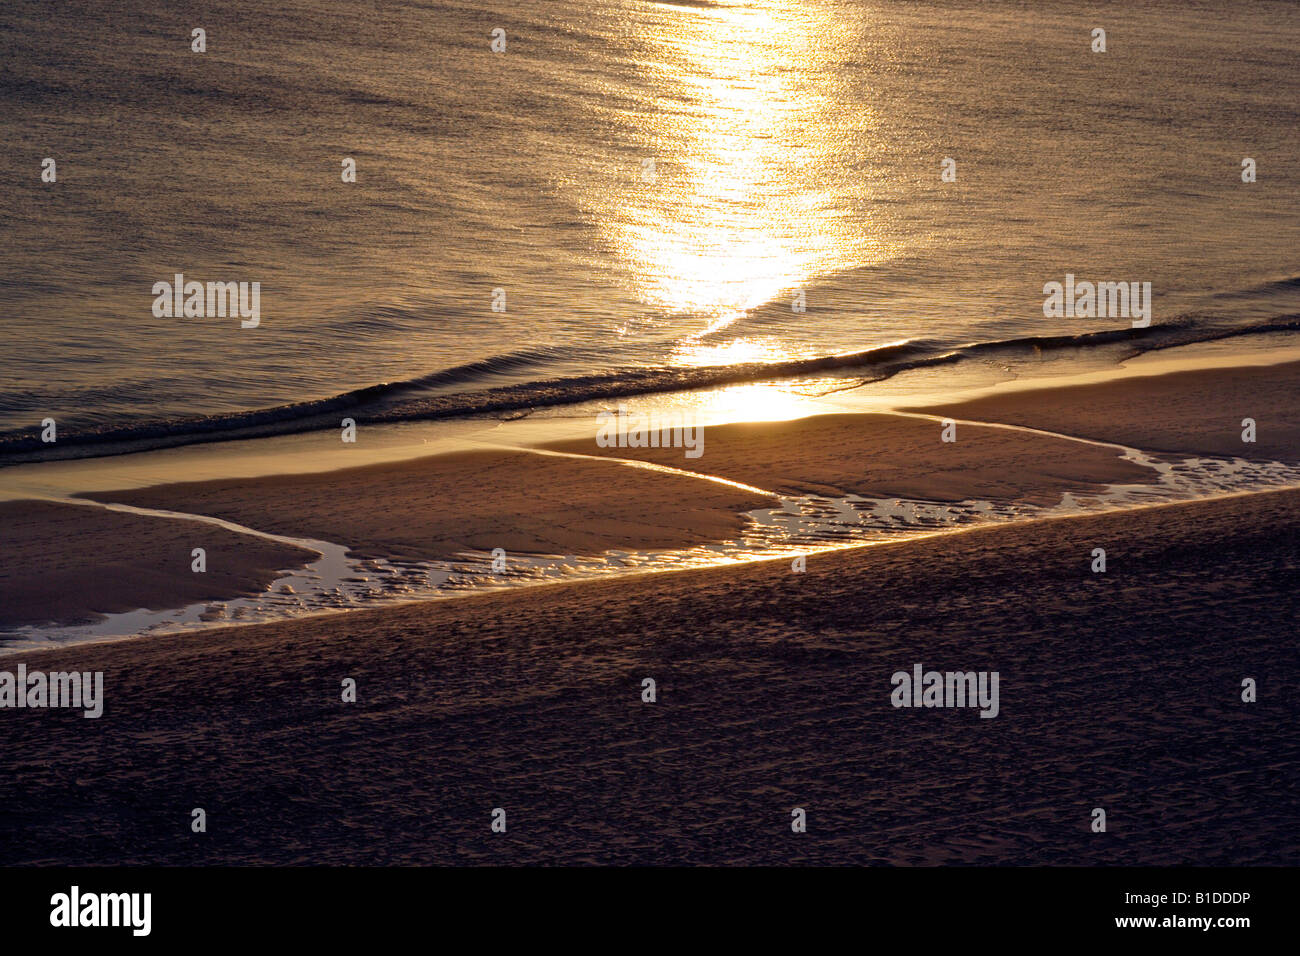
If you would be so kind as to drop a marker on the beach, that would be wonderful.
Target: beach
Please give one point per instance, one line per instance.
(1119, 689)
(649, 435)
(894, 455)
(565, 499)
(74, 563)
(1182, 413)
(444, 505)
(491, 514)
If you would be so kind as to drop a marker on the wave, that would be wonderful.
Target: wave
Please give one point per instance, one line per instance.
(408, 400)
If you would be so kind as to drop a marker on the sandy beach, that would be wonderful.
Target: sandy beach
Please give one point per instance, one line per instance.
(649, 436)
(74, 563)
(583, 502)
(445, 506)
(1181, 413)
(1119, 691)
(69, 563)
(441, 506)
(893, 455)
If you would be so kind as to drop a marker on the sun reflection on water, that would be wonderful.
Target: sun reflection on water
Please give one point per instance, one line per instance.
(744, 199)
(745, 350)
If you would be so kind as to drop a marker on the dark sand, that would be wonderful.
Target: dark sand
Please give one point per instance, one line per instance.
(892, 456)
(1119, 691)
(442, 506)
(73, 563)
(1180, 413)
(439, 506)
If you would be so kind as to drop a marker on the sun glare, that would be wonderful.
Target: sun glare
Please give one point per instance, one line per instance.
(741, 202)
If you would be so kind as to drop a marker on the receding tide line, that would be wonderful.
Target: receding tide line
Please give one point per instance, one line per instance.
(637, 463)
(799, 527)
(392, 402)
(322, 548)
(1131, 453)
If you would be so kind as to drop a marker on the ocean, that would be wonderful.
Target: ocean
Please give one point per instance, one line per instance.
(629, 197)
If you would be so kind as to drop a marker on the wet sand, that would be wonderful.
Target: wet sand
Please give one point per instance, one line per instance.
(1180, 413)
(892, 456)
(1118, 690)
(443, 506)
(440, 506)
(73, 563)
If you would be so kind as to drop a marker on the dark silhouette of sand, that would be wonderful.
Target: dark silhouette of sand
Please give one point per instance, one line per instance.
(72, 563)
(893, 455)
(442, 505)
(1179, 413)
(1118, 690)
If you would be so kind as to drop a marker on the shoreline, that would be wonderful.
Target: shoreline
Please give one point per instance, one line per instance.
(773, 692)
(395, 443)
(410, 529)
(1177, 419)
(880, 363)
(629, 576)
